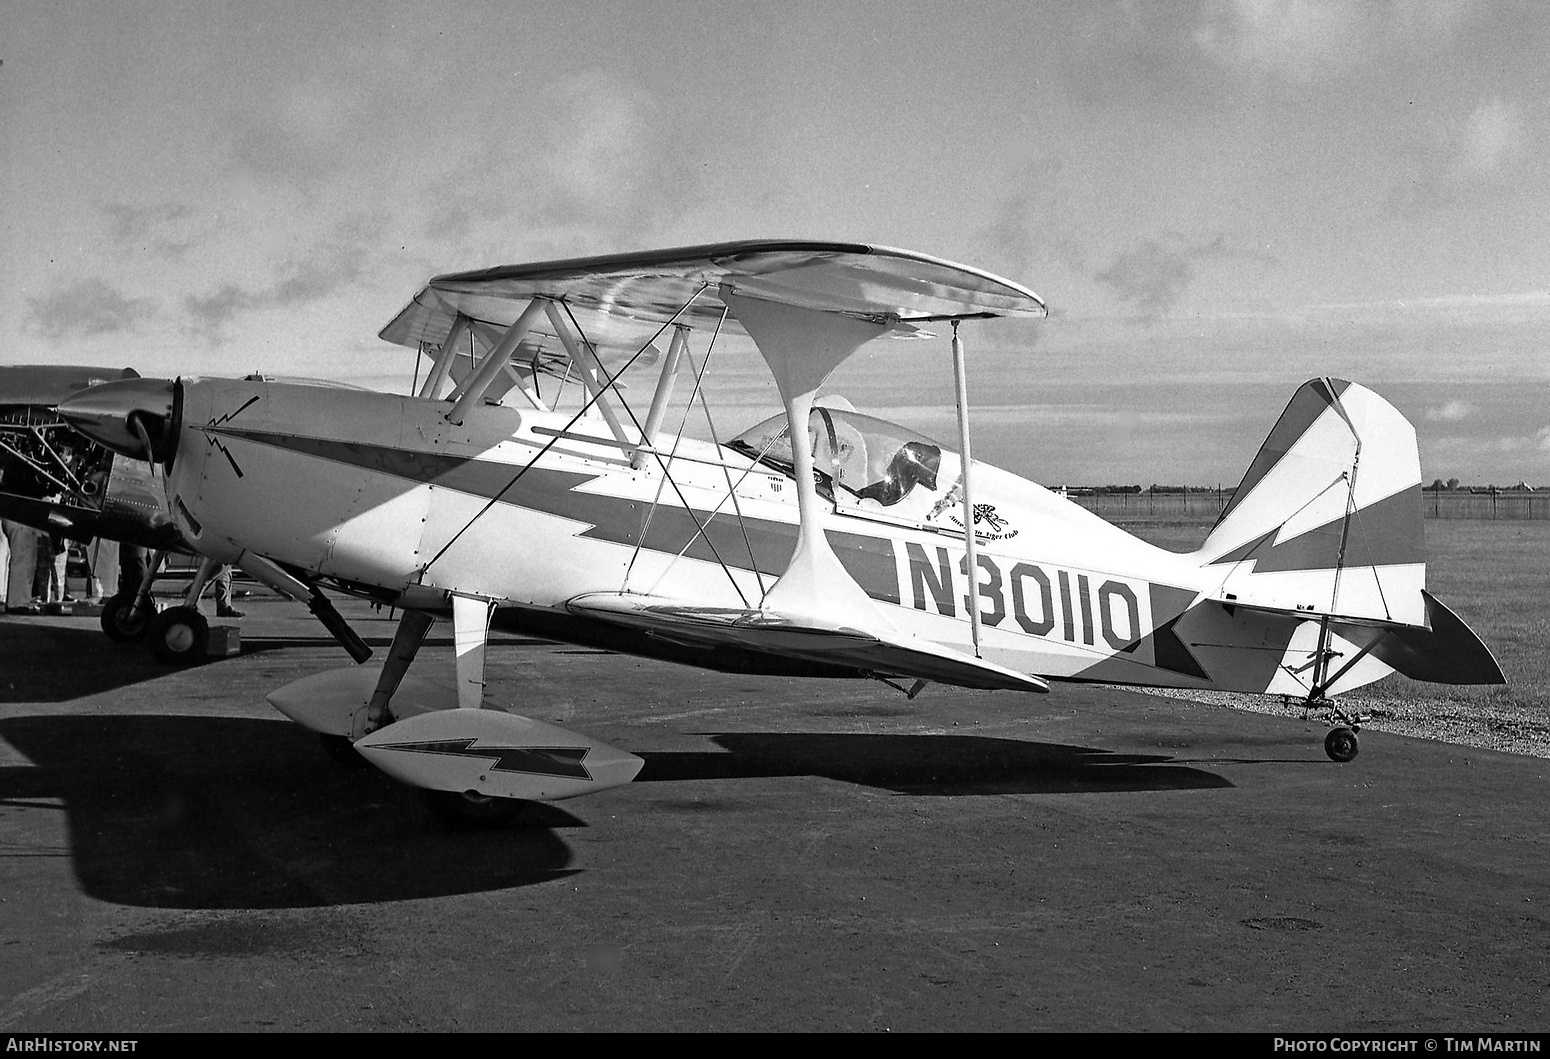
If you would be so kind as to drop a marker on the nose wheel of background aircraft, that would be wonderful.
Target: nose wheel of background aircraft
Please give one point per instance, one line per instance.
(179, 636)
(120, 621)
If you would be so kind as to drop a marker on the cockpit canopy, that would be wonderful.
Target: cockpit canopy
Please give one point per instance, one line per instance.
(859, 460)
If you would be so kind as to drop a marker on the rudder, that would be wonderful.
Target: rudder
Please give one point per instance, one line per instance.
(1327, 519)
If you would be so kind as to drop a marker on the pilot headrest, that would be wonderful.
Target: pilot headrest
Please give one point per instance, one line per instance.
(919, 462)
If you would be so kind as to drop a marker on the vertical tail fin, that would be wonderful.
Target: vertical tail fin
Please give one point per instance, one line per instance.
(1327, 520)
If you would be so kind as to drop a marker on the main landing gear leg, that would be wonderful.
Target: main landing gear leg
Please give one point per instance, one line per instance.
(470, 633)
(128, 615)
(413, 627)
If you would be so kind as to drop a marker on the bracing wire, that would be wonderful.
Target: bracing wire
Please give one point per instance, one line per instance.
(666, 473)
(572, 422)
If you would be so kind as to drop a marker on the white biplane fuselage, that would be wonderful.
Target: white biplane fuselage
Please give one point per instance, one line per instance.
(393, 496)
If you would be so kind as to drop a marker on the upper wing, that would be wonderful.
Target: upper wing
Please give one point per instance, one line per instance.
(45, 385)
(877, 651)
(622, 299)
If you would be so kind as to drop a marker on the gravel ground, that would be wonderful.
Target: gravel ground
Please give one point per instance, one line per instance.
(1491, 726)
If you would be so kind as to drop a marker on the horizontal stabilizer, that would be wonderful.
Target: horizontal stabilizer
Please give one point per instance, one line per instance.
(497, 754)
(1448, 652)
(775, 633)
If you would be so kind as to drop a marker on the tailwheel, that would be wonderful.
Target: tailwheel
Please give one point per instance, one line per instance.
(1341, 744)
(121, 622)
(179, 636)
(470, 810)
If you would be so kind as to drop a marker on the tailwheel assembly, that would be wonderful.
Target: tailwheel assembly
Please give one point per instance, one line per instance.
(1340, 743)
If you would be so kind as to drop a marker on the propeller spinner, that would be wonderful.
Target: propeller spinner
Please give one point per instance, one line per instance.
(134, 417)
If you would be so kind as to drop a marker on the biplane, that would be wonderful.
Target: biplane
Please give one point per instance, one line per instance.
(822, 541)
(54, 479)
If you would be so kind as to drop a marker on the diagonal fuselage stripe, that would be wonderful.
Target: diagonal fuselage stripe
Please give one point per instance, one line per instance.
(614, 519)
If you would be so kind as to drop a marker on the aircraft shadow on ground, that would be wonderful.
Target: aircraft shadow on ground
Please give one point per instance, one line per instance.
(235, 813)
(32, 670)
(257, 644)
(940, 765)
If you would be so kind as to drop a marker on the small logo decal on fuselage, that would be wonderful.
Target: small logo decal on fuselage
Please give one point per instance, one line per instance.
(985, 515)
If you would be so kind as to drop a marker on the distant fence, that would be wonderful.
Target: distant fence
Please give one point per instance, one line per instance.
(1204, 505)
(1488, 503)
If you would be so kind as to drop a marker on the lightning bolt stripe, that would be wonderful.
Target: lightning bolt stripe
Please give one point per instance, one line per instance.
(566, 761)
(868, 559)
(1386, 533)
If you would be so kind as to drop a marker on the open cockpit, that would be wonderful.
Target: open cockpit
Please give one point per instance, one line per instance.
(860, 462)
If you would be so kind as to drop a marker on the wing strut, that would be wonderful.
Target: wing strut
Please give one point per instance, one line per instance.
(470, 632)
(664, 392)
(801, 347)
(961, 387)
(446, 357)
(471, 392)
(591, 371)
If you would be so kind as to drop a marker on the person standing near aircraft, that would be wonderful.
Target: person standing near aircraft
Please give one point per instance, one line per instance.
(134, 562)
(53, 556)
(24, 557)
(222, 583)
(102, 567)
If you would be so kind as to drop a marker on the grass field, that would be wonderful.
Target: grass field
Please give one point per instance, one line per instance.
(1493, 574)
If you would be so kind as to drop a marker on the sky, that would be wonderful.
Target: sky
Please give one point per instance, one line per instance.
(1217, 199)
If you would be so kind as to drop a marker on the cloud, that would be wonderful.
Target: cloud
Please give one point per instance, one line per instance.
(211, 313)
(1153, 274)
(1299, 40)
(301, 131)
(1028, 231)
(616, 165)
(1305, 41)
(1482, 151)
(1491, 136)
(600, 135)
(1451, 412)
(162, 228)
(326, 270)
(88, 307)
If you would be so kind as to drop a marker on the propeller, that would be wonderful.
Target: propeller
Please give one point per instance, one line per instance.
(133, 417)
